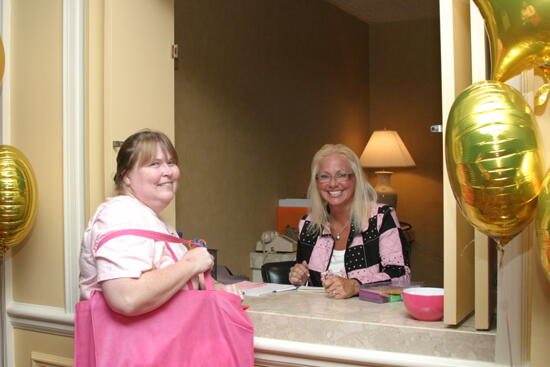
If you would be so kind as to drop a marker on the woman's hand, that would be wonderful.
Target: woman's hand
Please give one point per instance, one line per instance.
(338, 287)
(299, 274)
(199, 258)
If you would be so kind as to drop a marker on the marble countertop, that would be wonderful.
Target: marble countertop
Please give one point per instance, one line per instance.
(312, 317)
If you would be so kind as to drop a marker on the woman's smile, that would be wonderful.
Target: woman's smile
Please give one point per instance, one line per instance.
(167, 184)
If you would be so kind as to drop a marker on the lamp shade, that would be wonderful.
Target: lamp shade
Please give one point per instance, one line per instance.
(385, 149)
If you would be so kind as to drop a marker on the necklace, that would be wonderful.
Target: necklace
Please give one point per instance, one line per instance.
(338, 234)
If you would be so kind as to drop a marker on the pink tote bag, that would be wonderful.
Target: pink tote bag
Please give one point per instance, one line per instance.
(194, 328)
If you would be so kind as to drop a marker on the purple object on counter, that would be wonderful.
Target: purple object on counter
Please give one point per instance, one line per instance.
(376, 297)
(386, 291)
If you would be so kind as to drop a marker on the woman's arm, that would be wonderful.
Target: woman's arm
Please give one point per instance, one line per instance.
(135, 296)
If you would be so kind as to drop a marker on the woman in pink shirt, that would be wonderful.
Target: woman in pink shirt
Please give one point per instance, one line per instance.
(139, 274)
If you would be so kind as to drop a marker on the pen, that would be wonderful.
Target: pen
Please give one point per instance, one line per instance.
(285, 289)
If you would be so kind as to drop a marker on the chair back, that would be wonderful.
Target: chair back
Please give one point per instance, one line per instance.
(277, 272)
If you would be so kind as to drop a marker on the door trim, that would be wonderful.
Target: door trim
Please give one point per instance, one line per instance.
(74, 194)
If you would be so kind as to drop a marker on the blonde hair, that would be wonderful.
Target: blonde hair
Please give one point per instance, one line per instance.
(139, 149)
(364, 195)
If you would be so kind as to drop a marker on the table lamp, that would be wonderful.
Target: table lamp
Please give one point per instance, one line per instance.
(385, 149)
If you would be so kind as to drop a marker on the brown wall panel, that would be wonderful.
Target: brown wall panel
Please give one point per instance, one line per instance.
(260, 86)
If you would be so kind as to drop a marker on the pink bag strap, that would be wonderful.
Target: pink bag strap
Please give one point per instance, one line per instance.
(157, 236)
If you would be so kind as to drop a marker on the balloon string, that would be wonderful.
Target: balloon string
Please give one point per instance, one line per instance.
(500, 249)
(506, 307)
(509, 339)
(465, 247)
(506, 303)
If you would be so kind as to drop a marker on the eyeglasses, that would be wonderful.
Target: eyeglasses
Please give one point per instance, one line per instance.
(339, 177)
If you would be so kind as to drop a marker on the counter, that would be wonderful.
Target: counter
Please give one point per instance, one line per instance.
(352, 331)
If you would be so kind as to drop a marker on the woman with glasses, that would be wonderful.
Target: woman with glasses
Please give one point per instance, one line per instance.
(347, 239)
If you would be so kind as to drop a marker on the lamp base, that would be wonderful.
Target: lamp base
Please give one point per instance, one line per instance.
(386, 193)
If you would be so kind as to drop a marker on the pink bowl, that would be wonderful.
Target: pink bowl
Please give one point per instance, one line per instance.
(424, 304)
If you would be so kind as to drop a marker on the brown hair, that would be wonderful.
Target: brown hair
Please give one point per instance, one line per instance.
(138, 150)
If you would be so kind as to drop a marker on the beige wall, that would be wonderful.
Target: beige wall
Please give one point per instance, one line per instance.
(37, 130)
(138, 77)
(540, 315)
(260, 86)
(405, 85)
(56, 349)
(96, 185)
(37, 123)
(540, 303)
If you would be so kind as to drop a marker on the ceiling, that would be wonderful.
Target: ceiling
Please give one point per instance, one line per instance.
(385, 11)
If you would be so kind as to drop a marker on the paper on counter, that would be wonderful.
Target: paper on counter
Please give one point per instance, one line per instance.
(267, 289)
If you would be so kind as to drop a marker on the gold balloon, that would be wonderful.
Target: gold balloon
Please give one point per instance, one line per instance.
(18, 197)
(519, 33)
(494, 159)
(543, 225)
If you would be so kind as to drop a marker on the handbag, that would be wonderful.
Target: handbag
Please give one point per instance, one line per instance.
(193, 328)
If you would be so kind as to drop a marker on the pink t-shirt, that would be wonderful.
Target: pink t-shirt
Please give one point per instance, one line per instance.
(125, 256)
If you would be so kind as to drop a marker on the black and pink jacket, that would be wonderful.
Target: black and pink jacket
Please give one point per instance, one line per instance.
(376, 253)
